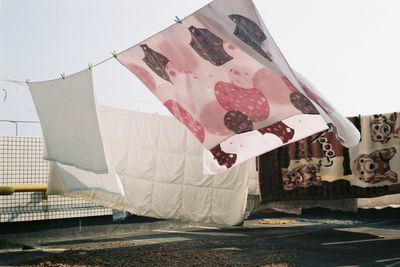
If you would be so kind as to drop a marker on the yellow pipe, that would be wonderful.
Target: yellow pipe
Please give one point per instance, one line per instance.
(6, 190)
(11, 189)
(30, 187)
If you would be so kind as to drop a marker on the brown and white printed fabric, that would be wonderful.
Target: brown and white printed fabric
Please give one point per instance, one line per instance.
(319, 167)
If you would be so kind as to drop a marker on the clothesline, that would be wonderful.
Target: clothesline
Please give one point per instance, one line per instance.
(90, 66)
(14, 81)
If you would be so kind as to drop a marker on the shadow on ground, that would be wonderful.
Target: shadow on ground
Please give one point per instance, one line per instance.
(315, 240)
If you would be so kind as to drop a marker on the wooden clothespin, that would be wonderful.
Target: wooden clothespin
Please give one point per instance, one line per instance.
(62, 76)
(114, 54)
(90, 66)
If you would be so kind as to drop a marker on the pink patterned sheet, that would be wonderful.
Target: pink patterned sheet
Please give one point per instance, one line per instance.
(220, 74)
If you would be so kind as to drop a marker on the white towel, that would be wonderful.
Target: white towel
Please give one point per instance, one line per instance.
(68, 117)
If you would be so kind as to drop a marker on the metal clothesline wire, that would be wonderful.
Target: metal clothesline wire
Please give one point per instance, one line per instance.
(19, 121)
(90, 66)
(114, 54)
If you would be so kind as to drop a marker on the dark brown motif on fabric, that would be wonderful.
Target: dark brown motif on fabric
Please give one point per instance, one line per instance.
(327, 147)
(272, 163)
(374, 167)
(382, 128)
(208, 46)
(284, 132)
(238, 122)
(223, 158)
(304, 175)
(250, 33)
(156, 62)
(303, 151)
(302, 103)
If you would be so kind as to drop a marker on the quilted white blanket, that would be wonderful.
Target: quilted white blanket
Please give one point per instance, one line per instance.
(160, 166)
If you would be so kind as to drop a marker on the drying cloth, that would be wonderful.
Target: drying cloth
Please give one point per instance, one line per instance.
(296, 206)
(160, 165)
(319, 167)
(220, 73)
(254, 187)
(392, 201)
(67, 180)
(254, 204)
(68, 117)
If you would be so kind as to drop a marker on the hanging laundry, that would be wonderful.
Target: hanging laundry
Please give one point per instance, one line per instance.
(160, 165)
(220, 73)
(69, 181)
(376, 160)
(254, 205)
(319, 167)
(67, 111)
(392, 201)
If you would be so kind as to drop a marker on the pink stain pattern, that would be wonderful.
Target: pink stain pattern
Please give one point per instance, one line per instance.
(275, 88)
(212, 119)
(186, 118)
(240, 77)
(143, 75)
(219, 86)
(250, 102)
(289, 84)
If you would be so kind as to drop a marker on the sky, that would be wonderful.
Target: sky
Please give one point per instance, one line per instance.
(349, 49)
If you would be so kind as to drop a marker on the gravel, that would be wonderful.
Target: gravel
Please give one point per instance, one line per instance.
(187, 253)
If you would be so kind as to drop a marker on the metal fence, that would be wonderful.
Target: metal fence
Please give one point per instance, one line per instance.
(21, 163)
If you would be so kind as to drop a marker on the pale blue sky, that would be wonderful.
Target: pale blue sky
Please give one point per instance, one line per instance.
(348, 48)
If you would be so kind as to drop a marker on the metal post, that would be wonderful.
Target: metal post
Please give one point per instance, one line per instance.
(16, 124)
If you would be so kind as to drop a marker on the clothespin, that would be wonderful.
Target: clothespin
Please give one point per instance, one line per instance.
(26, 80)
(114, 54)
(178, 20)
(90, 66)
(62, 76)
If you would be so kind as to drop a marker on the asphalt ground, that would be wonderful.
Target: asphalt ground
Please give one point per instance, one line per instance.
(316, 238)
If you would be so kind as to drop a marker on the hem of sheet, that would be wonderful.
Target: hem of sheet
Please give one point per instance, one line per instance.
(76, 166)
(211, 167)
(392, 201)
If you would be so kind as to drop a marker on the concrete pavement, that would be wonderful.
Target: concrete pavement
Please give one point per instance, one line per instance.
(317, 238)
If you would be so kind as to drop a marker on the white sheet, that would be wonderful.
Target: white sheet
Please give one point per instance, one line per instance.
(70, 181)
(68, 117)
